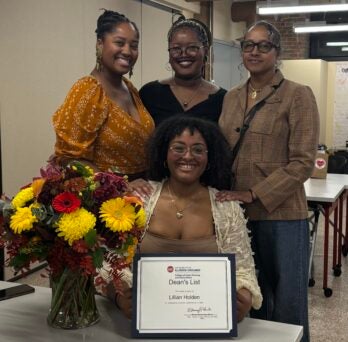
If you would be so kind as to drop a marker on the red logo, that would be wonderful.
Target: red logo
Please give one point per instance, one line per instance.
(320, 163)
(170, 269)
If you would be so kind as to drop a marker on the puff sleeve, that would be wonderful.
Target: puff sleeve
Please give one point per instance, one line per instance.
(79, 119)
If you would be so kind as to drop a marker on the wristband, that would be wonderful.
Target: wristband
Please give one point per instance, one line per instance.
(116, 303)
(253, 198)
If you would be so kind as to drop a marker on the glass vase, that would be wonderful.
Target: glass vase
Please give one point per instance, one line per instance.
(73, 303)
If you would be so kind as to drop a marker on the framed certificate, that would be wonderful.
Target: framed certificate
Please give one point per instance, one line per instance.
(178, 296)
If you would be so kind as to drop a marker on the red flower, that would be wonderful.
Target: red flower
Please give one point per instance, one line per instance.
(80, 246)
(86, 264)
(66, 202)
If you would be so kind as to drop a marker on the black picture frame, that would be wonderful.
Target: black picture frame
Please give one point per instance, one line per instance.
(230, 265)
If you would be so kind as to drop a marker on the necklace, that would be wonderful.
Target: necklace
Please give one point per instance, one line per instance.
(185, 103)
(179, 212)
(253, 91)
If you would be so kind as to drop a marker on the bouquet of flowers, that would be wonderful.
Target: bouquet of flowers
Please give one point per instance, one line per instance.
(72, 218)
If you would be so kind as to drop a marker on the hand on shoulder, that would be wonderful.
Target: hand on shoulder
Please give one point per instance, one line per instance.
(141, 186)
(243, 196)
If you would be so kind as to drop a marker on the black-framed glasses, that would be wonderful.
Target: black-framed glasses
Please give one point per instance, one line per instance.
(264, 46)
(196, 150)
(190, 50)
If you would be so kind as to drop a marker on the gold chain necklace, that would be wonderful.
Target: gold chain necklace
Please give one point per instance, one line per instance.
(253, 91)
(179, 212)
(187, 102)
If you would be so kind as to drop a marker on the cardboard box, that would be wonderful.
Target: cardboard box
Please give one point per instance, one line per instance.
(320, 165)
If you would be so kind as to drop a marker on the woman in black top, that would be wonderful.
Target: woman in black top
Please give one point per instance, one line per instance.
(187, 92)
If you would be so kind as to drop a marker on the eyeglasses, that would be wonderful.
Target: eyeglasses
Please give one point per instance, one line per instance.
(263, 46)
(195, 150)
(190, 50)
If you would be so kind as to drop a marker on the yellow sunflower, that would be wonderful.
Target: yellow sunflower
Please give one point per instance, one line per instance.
(117, 215)
(22, 220)
(74, 226)
(24, 196)
(140, 219)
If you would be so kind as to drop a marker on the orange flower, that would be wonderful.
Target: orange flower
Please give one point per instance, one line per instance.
(133, 200)
(37, 186)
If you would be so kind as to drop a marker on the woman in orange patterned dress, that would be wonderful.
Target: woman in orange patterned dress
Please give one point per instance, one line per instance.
(102, 121)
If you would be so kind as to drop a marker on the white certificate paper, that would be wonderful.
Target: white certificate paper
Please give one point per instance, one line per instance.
(184, 295)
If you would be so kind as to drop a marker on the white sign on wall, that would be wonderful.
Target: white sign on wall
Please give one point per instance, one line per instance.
(340, 127)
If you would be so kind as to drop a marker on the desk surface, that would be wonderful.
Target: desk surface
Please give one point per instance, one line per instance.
(338, 179)
(325, 190)
(24, 318)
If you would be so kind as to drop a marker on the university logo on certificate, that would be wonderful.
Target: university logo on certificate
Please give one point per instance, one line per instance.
(177, 295)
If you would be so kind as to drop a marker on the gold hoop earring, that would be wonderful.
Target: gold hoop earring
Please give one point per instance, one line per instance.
(99, 62)
(168, 67)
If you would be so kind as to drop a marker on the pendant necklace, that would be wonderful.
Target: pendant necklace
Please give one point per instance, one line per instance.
(179, 212)
(195, 93)
(254, 92)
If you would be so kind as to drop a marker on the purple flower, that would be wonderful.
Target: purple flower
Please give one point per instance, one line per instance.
(51, 171)
(110, 186)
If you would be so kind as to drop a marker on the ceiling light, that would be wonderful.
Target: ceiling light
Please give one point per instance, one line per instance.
(345, 48)
(337, 44)
(266, 8)
(318, 26)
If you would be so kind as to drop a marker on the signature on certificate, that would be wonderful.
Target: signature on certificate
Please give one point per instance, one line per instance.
(200, 309)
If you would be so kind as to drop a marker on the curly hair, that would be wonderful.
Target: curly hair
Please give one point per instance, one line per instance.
(108, 20)
(202, 31)
(218, 171)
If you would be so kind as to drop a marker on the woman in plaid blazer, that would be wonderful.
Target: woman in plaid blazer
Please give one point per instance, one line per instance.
(274, 159)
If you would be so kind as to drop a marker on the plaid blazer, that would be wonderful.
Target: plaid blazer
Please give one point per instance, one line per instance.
(278, 150)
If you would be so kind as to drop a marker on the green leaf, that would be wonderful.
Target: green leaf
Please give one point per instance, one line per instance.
(98, 257)
(91, 238)
(19, 261)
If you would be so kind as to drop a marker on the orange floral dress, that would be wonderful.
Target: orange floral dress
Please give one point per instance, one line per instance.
(90, 126)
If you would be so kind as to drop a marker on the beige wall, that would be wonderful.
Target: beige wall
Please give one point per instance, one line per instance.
(331, 83)
(182, 5)
(314, 73)
(223, 27)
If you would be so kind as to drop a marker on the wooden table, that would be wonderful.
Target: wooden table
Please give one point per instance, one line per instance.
(24, 319)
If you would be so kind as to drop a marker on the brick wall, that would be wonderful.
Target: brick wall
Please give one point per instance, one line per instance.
(294, 46)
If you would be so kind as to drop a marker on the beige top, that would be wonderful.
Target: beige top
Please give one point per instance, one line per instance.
(153, 243)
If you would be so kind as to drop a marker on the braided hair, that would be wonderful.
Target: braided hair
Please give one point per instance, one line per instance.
(202, 31)
(108, 20)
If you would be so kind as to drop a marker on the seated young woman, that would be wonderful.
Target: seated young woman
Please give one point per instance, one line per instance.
(189, 162)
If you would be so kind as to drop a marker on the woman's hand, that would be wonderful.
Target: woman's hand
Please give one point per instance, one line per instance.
(243, 196)
(244, 301)
(124, 302)
(141, 186)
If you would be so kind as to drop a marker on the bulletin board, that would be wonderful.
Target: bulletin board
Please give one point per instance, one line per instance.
(340, 118)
